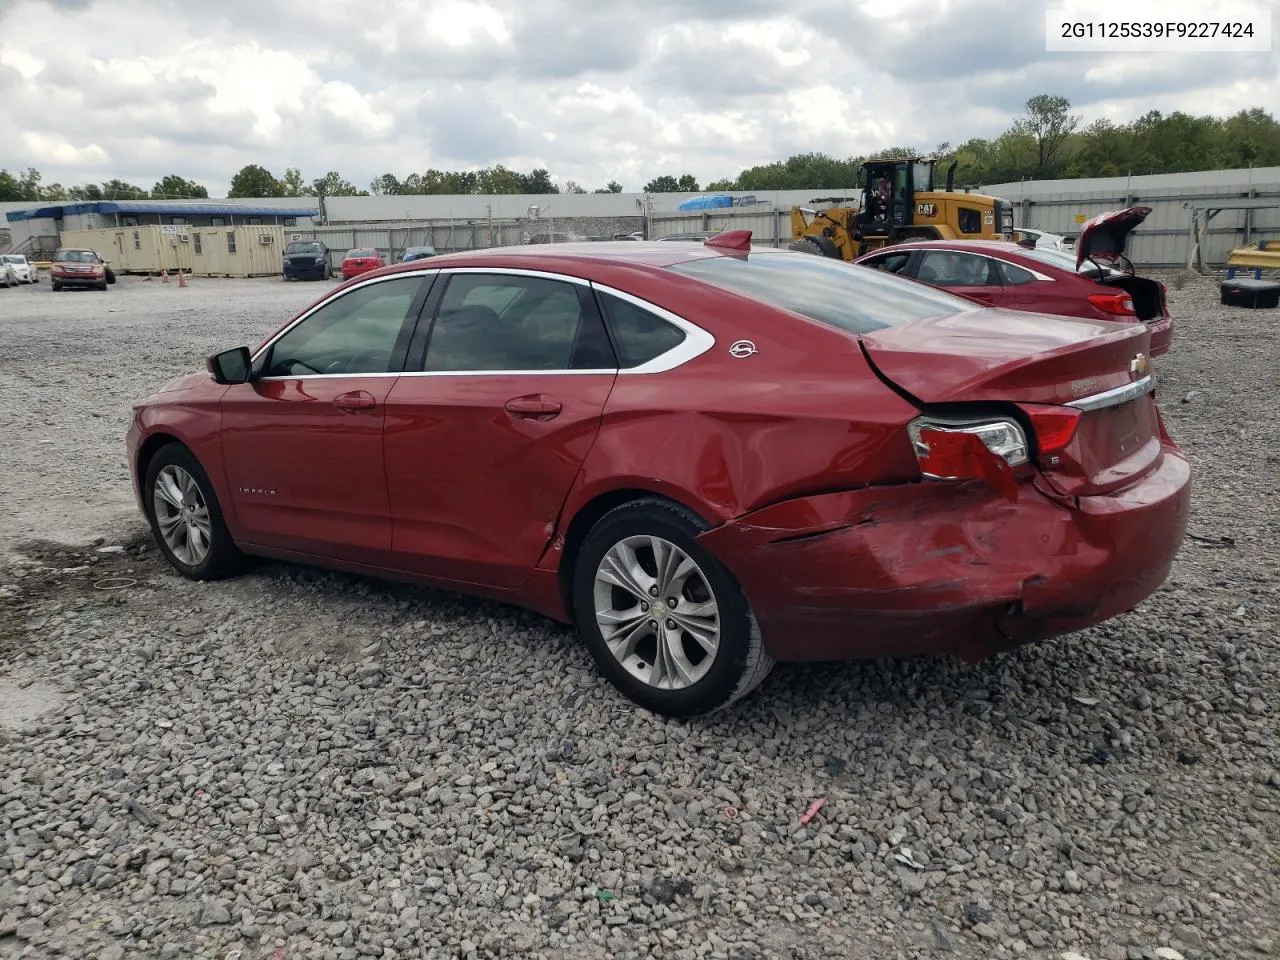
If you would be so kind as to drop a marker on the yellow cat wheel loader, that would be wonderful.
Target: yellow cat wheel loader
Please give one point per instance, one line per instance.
(900, 201)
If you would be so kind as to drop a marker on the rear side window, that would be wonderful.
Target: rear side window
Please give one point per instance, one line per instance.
(1014, 276)
(830, 291)
(489, 322)
(638, 335)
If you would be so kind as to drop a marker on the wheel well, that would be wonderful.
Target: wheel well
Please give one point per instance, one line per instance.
(149, 448)
(586, 518)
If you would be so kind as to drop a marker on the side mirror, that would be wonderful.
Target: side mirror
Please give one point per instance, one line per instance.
(230, 366)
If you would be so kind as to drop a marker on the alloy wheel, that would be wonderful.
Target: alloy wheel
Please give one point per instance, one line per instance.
(657, 612)
(182, 515)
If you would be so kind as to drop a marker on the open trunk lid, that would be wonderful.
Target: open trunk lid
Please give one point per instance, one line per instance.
(1102, 239)
(1029, 364)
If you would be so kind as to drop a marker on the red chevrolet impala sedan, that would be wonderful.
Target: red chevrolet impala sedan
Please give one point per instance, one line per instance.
(1095, 280)
(706, 456)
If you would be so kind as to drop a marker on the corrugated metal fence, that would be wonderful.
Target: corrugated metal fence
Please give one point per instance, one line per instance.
(1163, 240)
(391, 240)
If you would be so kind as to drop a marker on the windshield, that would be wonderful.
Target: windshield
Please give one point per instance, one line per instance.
(14, 258)
(839, 294)
(1067, 261)
(304, 248)
(76, 256)
(362, 252)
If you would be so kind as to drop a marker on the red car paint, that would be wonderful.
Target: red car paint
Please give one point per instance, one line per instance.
(796, 454)
(1044, 281)
(361, 260)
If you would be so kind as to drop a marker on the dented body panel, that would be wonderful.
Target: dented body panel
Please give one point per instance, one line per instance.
(921, 568)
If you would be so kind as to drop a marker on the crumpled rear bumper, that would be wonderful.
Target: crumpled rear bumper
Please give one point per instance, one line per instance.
(930, 568)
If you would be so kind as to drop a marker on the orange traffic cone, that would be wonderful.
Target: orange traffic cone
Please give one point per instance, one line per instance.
(164, 274)
(182, 279)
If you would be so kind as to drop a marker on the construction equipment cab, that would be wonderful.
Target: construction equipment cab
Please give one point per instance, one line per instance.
(901, 201)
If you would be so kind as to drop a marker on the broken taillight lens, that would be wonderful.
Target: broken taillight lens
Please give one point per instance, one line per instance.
(1053, 427)
(987, 450)
(1115, 304)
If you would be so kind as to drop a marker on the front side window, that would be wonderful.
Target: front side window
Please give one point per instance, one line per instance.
(353, 333)
(493, 322)
(889, 263)
(832, 292)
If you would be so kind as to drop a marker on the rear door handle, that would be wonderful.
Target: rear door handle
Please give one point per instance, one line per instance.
(355, 400)
(534, 406)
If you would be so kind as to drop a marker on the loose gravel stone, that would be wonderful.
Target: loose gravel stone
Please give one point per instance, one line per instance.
(342, 768)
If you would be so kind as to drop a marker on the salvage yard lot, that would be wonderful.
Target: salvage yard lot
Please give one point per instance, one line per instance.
(343, 768)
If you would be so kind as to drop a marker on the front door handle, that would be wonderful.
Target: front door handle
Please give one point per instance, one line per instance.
(534, 406)
(355, 400)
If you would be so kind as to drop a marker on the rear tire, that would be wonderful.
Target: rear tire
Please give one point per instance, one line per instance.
(57, 287)
(676, 592)
(186, 519)
(822, 247)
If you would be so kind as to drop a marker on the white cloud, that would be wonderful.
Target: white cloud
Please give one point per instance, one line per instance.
(593, 90)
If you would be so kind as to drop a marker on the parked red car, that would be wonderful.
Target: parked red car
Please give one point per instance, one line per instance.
(1094, 280)
(361, 260)
(708, 457)
(79, 268)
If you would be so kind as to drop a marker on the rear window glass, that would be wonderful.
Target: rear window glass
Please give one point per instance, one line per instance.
(839, 294)
(362, 252)
(1067, 261)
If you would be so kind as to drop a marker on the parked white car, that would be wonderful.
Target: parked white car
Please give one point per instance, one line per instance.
(20, 269)
(1053, 241)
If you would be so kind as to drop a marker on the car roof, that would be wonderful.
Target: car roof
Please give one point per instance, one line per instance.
(988, 246)
(646, 253)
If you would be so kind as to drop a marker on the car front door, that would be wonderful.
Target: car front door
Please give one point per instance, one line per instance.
(487, 429)
(302, 441)
(965, 274)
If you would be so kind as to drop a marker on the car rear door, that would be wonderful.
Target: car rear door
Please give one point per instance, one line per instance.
(302, 442)
(962, 273)
(491, 421)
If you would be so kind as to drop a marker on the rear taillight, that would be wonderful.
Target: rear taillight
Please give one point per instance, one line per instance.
(985, 450)
(1053, 427)
(1115, 304)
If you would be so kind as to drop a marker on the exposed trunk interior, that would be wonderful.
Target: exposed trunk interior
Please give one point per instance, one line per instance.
(1148, 301)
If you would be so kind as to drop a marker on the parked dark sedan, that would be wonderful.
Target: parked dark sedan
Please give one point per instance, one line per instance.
(307, 259)
(707, 456)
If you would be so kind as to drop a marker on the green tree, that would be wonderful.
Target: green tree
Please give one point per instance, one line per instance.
(663, 184)
(174, 186)
(120, 190)
(1050, 123)
(572, 186)
(292, 184)
(539, 181)
(722, 185)
(332, 185)
(85, 192)
(254, 181)
(386, 185)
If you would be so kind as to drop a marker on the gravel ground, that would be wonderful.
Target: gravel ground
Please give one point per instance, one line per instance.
(301, 764)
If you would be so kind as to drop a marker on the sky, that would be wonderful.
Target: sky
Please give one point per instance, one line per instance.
(592, 90)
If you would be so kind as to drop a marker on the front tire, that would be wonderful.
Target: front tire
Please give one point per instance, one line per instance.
(185, 517)
(57, 287)
(665, 622)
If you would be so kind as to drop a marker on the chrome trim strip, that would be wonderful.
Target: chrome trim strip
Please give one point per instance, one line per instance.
(518, 272)
(697, 341)
(1115, 396)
